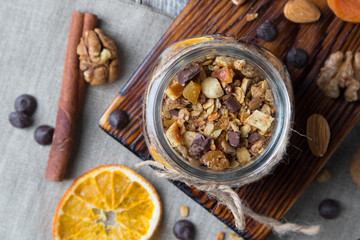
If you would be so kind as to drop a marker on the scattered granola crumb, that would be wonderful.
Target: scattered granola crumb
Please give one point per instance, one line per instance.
(234, 236)
(184, 211)
(220, 236)
(324, 175)
(251, 16)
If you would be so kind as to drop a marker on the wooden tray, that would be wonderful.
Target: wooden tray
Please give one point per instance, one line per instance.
(275, 194)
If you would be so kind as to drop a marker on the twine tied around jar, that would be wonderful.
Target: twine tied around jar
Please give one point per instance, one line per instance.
(227, 196)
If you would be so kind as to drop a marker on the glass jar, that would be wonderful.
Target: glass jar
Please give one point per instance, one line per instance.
(178, 56)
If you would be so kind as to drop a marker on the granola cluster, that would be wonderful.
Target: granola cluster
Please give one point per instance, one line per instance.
(218, 112)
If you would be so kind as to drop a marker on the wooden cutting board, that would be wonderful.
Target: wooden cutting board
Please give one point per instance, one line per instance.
(275, 194)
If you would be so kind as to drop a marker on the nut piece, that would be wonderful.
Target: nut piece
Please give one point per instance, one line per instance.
(301, 11)
(233, 236)
(220, 236)
(98, 57)
(324, 175)
(215, 160)
(318, 133)
(355, 167)
(211, 88)
(184, 211)
(243, 155)
(251, 16)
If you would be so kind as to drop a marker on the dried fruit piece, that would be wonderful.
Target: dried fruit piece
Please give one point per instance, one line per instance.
(212, 88)
(243, 155)
(215, 160)
(324, 175)
(267, 31)
(329, 209)
(184, 211)
(347, 10)
(174, 112)
(187, 73)
(223, 74)
(318, 133)
(355, 167)
(192, 92)
(297, 57)
(200, 145)
(174, 91)
(255, 103)
(231, 104)
(301, 11)
(173, 135)
(259, 120)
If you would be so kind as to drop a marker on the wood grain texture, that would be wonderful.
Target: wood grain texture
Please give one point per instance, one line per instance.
(275, 194)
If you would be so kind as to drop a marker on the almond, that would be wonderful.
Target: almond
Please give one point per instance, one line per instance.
(301, 11)
(318, 133)
(355, 167)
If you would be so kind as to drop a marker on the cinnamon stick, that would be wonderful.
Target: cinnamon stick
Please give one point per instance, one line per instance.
(72, 91)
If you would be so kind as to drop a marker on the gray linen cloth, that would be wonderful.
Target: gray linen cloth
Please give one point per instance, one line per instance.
(32, 51)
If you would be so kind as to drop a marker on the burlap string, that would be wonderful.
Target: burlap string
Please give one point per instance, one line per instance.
(227, 196)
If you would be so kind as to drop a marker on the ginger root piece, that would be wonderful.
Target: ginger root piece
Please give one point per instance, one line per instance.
(339, 73)
(98, 57)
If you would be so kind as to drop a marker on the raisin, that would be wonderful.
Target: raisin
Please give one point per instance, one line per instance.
(267, 31)
(297, 57)
(329, 209)
(215, 160)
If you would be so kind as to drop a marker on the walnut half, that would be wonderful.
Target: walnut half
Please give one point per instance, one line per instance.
(98, 57)
(341, 72)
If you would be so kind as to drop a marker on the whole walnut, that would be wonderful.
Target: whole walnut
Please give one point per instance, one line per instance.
(98, 57)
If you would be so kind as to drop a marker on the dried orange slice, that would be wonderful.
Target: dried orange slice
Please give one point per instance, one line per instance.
(108, 202)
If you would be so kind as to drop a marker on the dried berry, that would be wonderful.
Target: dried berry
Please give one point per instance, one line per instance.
(215, 160)
(329, 209)
(184, 230)
(44, 134)
(297, 57)
(199, 146)
(19, 120)
(118, 119)
(234, 138)
(267, 31)
(187, 73)
(232, 104)
(25, 103)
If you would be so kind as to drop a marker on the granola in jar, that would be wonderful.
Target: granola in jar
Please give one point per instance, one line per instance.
(218, 112)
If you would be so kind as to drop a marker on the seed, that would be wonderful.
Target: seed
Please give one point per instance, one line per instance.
(324, 175)
(184, 211)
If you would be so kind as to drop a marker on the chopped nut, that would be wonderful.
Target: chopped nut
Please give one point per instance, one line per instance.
(209, 129)
(215, 160)
(227, 148)
(183, 116)
(225, 61)
(251, 16)
(188, 138)
(211, 88)
(243, 155)
(260, 120)
(233, 236)
(210, 102)
(245, 84)
(244, 130)
(234, 164)
(220, 236)
(215, 134)
(255, 148)
(184, 211)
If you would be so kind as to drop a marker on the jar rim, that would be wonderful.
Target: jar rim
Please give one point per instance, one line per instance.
(269, 66)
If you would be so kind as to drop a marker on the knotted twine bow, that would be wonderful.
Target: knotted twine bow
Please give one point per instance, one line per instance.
(227, 196)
